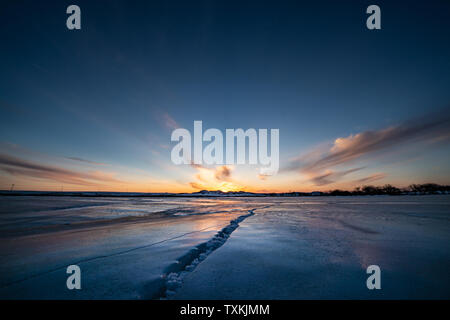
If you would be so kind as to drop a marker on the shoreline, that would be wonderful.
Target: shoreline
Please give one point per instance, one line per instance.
(102, 194)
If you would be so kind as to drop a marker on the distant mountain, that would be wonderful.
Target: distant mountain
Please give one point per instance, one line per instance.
(219, 193)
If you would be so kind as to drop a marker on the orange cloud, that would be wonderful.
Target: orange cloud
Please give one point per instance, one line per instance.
(218, 178)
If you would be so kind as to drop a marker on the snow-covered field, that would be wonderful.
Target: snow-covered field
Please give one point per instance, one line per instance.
(225, 248)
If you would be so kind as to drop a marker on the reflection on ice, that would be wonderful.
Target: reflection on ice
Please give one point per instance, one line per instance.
(290, 248)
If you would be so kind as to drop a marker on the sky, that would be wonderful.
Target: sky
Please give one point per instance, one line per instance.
(94, 109)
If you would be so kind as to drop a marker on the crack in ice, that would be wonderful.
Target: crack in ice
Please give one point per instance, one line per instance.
(172, 279)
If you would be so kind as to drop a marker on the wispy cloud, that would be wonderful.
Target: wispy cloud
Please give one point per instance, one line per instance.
(85, 161)
(168, 121)
(16, 166)
(318, 163)
(330, 176)
(197, 186)
(370, 178)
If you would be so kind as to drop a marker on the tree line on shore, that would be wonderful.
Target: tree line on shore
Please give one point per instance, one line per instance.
(387, 189)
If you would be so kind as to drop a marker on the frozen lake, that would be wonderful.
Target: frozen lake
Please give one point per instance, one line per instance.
(225, 248)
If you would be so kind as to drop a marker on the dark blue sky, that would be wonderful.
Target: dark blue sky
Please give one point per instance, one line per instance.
(112, 91)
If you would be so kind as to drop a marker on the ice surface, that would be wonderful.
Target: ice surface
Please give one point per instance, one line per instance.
(232, 248)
